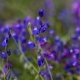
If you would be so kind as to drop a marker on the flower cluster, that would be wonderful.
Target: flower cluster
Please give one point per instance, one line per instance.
(48, 49)
(76, 12)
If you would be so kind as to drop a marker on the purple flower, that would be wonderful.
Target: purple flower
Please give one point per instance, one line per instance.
(35, 31)
(5, 42)
(41, 61)
(3, 55)
(31, 44)
(41, 12)
(9, 52)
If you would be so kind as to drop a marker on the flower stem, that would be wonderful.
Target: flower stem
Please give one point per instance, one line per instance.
(18, 45)
(46, 63)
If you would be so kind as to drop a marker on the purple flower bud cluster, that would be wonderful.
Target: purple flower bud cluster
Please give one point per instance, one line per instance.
(76, 12)
(33, 35)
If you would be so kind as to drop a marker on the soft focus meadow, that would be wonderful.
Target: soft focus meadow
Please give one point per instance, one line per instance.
(39, 39)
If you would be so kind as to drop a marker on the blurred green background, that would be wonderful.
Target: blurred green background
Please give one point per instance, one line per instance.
(11, 10)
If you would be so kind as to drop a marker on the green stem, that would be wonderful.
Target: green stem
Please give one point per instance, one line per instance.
(48, 69)
(18, 45)
(33, 39)
(46, 64)
(30, 31)
(32, 65)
